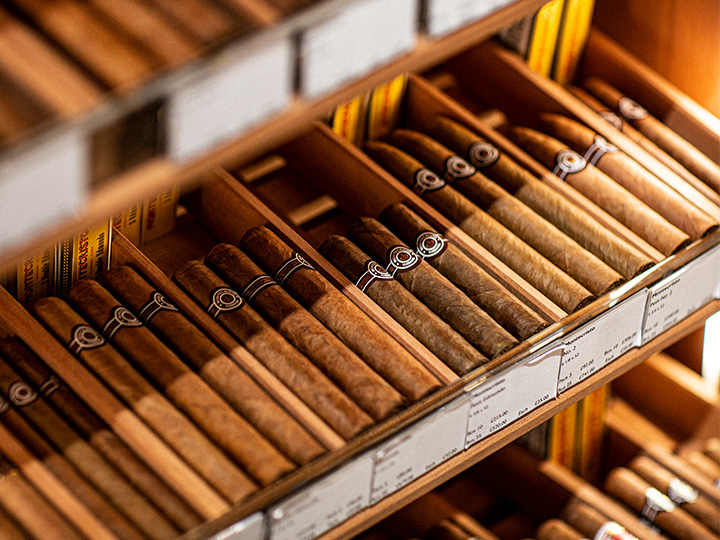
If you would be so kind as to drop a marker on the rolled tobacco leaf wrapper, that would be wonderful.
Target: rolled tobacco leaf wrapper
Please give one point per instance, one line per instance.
(93, 429)
(385, 355)
(655, 508)
(444, 342)
(543, 236)
(9, 529)
(602, 190)
(463, 272)
(569, 218)
(631, 175)
(704, 464)
(446, 529)
(592, 524)
(187, 390)
(712, 449)
(557, 529)
(101, 474)
(547, 278)
(303, 330)
(682, 494)
(90, 347)
(215, 367)
(432, 288)
(269, 347)
(685, 153)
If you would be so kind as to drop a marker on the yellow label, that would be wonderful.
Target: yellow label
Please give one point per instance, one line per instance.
(158, 215)
(576, 20)
(562, 436)
(385, 107)
(128, 223)
(36, 277)
(63, 267)
(91, 251)
(348, 119)
(543, 39)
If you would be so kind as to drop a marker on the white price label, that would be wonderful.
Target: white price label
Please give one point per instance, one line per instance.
(681, 294)
(324, 504)
(419, 449)
(364, 35)
(444, 16)
(234, 91)
(512, 393)
(250, 528)
(602, 340)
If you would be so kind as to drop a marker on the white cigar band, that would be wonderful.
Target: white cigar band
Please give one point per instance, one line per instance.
(611, 530)
(373, 272)
(456, 168)
(631, 109)
(680, 492)
(156, 304)
(426, 180)
(21, 394)
(289, 267)
(568, 162)
(483, 154)
(85, 337)
(257, 284)
(655, 502)
(401, 259)
(224, 299)
(598, 149)
(430, 244)
(49, 386)
(121, 317)
(613, 119)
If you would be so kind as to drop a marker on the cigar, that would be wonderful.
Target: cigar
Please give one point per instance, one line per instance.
(89, 347)
(592, 524)
(557, 529)
(682, 494)
(444, 342)
(362, 335)
(705, 465)
(599, 188)
(303, 330)
(432, 288)
(547, 278)
(447, 530)
(29, 509)
(9, 529)
(270, 348)
(463, 272)
(654, 507)
(97, 433)
(215, 367)
(630, 175)
(544, 237)
(242, 442)
(566, 216)
(712, 449)
(632, 112)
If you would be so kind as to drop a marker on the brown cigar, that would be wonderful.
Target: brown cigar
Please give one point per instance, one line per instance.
(462, 271)
(385, 355)
(549, 204)
(447, 530)
(171, 425)
(300, 328)
(631, 175)
(270, 348)
(592, 524)
(431, 288)
(29, 509)
(216, 368)
(557, 529)
(706, 465)
(712, 449)
(547, 278)
(599, 188)
(182, 386)
(543, 236)
(95, 431)
(678, 491)
(654, 507)
(9, 528)
(685, 153)
(401, 305)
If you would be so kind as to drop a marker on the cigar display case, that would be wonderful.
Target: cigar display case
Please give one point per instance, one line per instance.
(321, 408)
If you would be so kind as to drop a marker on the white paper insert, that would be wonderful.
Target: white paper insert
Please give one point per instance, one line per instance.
(250, 528)
(444, 16)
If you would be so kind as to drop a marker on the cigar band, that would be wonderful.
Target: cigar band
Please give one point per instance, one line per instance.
(224, 299)
(121, 316)
(631, 109)
(85, 337)
(295, 262)
(612, 530)
(401, 259)
(598, 149)
(655, 502)
(568, 162)
(156, 303)
(21, 394)
(456, 168)
(613, 119)
(716, 483)
(483, 154)
(426, 180)
(373, 272)
(256, 285)
(680, 492)
(4, 405)
(49, 386)
(430, 244)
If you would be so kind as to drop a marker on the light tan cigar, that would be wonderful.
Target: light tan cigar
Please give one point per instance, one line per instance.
(592, 524)
(557, 529)
(9, 528)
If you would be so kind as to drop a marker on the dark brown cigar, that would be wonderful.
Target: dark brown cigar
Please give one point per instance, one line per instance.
(447, 530)
(543, 236)
(431, 288)
(654, 507)
(95, 431)
(557, 529)
(678, 491)
(401, 305)
(463, 272)
(182, 386)
(385, 355)
(303, 330)
(630, 175)
(552, 206)
(215, 367)
(685, 153)
(270, 348)
(101, 474)
(599, 188)
(592, 524)
(547, 278)
(712, 449)
(30, 509)
(171, 425)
